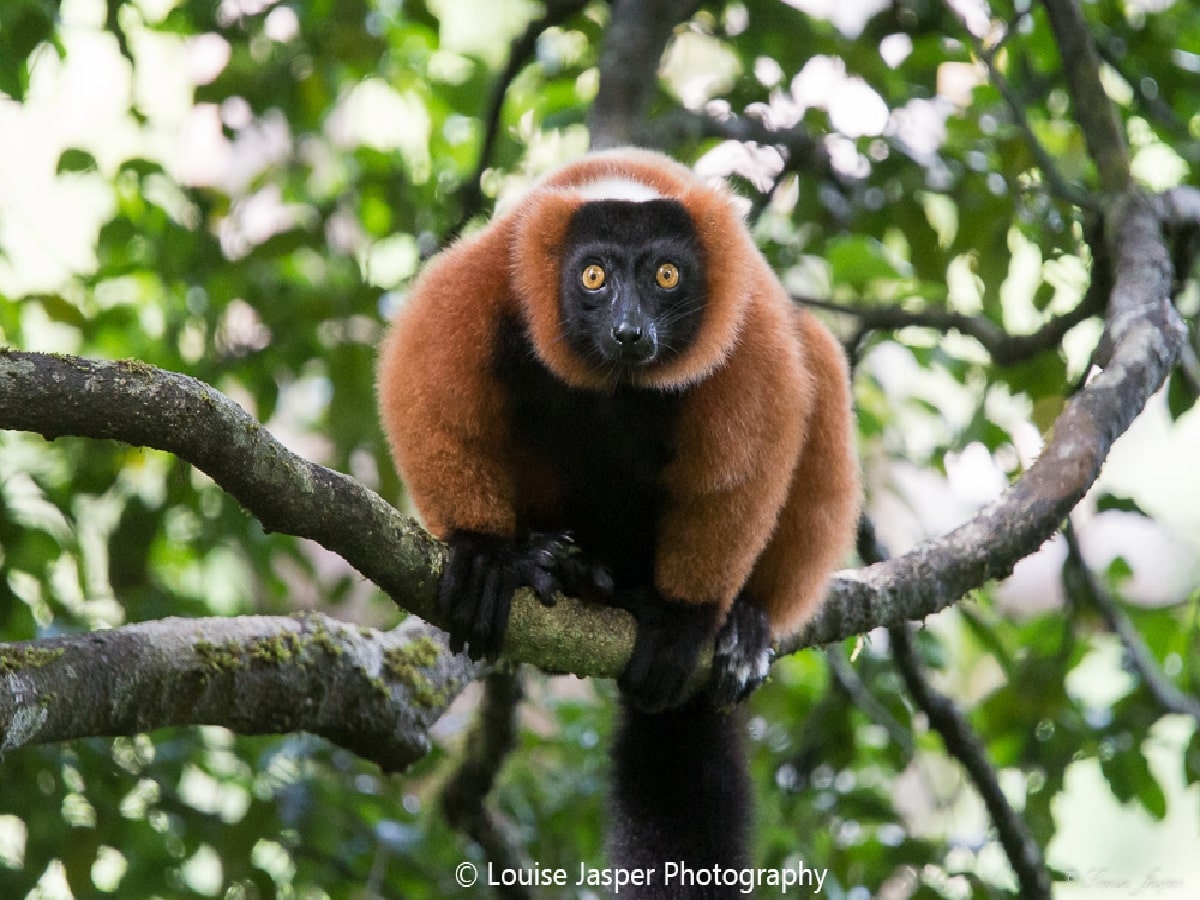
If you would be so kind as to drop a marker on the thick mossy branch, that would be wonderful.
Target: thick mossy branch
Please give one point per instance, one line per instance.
(374, 693)
(56, 395)
(136, 403)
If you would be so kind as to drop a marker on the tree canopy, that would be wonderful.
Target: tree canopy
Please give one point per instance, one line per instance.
(216, 672)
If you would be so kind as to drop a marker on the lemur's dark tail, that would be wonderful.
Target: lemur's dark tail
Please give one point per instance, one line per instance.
(681, 798)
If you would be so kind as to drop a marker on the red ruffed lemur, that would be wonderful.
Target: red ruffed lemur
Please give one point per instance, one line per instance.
(609, 371)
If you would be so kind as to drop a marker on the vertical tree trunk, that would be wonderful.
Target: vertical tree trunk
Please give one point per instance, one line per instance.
(633, 46)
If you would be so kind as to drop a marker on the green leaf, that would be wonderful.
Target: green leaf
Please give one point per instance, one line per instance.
(1129, 778)
(141, 166)
(1113, 503)
(60, 309)
(24, 26)
(1043, 376)
(1191, 759)
(857, 261)
(1118, 571)
(74, 159)
(1181, 394)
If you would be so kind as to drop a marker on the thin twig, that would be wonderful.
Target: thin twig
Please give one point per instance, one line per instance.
(464, 797)
(1161, 688)
(1005, 348)
(1057, 183)
(1095, 112)
(520, 52)
(961, 742)
(1055, 180)
(1156, 107)
(848, 679)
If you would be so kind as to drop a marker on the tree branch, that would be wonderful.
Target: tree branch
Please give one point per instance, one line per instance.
(1142, 338)
(1005, 349)
(520, 52)
(1161, 688)
(129, 401)
(861, 698)
(55, 395)
(1111, 50)
(1057, 184)
(963, 744)
(491, 739)
(1095, 112)
(136, 403)
(374, 693)
(633, 46)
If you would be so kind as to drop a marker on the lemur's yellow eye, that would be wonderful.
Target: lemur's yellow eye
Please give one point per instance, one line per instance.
(667, 275)
(592, 277)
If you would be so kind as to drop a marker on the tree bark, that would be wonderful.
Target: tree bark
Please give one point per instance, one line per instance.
(633, 47)
(374, 693)
(136, 403)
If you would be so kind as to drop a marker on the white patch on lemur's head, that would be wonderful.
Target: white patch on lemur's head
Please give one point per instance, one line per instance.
(618, 189)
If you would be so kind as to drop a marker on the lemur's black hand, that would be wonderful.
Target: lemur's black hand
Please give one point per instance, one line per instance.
(477, 587)
(484, 571)
(578, 575)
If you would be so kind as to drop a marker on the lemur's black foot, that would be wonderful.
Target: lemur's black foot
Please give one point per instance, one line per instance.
(743, 654)
(670, 636)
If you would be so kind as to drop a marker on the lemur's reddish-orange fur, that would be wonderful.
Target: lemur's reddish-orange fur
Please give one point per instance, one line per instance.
(763, 490)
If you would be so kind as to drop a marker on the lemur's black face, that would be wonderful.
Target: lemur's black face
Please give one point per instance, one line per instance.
(632, 283)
